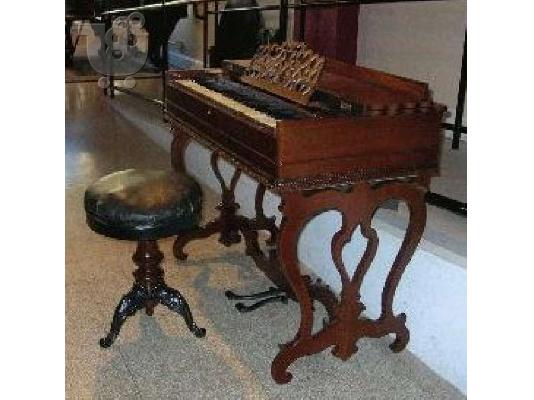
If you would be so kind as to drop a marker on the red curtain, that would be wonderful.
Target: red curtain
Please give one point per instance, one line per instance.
(332, 32)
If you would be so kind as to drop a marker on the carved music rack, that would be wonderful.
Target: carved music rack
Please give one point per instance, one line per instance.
(289, 70)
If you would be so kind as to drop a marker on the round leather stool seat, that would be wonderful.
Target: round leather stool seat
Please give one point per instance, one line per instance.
(140, 204)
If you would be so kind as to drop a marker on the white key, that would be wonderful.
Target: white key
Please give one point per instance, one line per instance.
(217, 97)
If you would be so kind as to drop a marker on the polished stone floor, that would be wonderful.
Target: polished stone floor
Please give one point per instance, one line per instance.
(156, 357)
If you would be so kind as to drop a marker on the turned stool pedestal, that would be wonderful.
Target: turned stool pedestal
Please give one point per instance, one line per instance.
(144, 206)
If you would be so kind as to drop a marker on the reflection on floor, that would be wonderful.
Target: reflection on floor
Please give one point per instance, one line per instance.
(156, 357)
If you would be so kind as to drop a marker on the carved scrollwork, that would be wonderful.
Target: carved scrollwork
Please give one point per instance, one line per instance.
(230, 226)
(179, 144)
(148, 290)
(346, 325)
(357, 205)
(290, 70)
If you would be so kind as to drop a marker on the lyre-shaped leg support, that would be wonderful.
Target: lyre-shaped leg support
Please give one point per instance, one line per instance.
(226, 224)
(346, 325)
(231, 227)
(273, 294)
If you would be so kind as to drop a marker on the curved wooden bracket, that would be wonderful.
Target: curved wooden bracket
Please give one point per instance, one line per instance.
(178, 146)
(228, 224)
(346, 326)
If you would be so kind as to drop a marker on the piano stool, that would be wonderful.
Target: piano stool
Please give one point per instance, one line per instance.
(144, 206)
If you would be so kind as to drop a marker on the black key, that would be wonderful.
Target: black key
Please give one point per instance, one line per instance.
(263, 102)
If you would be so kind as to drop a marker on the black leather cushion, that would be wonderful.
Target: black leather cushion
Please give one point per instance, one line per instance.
(143, 204)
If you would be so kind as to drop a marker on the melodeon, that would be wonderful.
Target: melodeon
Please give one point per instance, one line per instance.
(292, 118)
(325, 136)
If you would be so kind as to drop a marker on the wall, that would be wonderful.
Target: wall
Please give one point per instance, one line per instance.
(419, 40)
(186, 40)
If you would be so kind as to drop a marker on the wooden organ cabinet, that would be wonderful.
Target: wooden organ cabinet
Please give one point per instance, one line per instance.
(324, 135)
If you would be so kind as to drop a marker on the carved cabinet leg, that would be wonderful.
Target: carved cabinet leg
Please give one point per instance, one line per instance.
(182, 240)
(266, 262)
(346, 325)
(230, 226)
(228, 206)
(227, 224)
(178, 146)
(261, 221)
(287, 251)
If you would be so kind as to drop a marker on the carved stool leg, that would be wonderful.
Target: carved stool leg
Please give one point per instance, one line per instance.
(130, 303)
(149, 274)
(149, 289)
(149, 307)
(173, 300)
